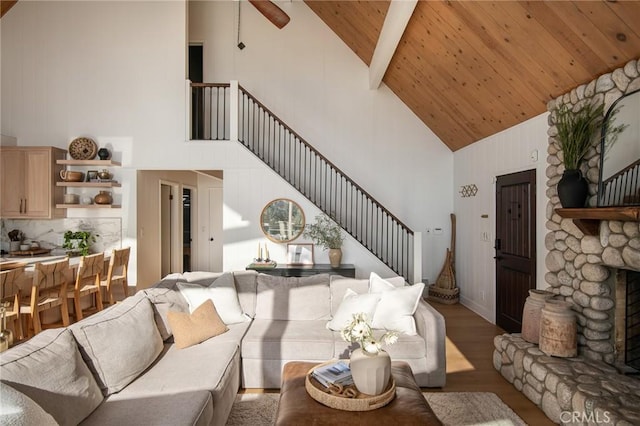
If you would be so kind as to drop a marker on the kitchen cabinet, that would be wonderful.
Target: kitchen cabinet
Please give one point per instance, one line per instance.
(98, 185)
(27, 182)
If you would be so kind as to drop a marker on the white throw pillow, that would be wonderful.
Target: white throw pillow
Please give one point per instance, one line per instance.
(222, 292)
(396, 307)
(376, 281)
(353, 303)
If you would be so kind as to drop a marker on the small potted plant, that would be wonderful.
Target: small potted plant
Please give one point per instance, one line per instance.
(78, 242)
(327, 234)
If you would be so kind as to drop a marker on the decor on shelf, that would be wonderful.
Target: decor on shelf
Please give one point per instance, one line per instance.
(444, 290)
(104, 154)
(370, 364)
(78, 242)
(300, 254)
(103, 197)
(104, 174)
(576, 129)
(327, 233)
(92, 175)
(71, 176)
(83, 149)
(282, 220)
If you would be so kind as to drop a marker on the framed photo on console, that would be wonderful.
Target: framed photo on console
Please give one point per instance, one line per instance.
(300, 254)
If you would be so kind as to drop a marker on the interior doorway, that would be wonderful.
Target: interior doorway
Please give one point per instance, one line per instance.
(188, 198)
(175, 231)
(515, 246)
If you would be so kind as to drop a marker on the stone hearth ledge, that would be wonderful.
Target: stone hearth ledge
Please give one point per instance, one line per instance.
(568, 390)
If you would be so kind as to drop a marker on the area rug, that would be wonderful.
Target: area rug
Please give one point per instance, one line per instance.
(452, 408)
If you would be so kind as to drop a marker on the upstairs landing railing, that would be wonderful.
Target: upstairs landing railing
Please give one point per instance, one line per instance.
(309, 172)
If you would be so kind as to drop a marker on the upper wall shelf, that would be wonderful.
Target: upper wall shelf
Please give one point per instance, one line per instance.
(588, 219)
(105, 163)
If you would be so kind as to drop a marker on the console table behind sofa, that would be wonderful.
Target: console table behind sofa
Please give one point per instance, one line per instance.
(284, 270)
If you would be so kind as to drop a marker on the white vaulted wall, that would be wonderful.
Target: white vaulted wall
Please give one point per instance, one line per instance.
(115, 71)
(309, 78)
(506, 152)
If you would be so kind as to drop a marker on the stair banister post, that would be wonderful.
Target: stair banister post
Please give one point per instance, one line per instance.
(233, 110)
(417, 258)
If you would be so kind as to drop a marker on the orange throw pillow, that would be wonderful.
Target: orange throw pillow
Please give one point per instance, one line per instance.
(191, 329)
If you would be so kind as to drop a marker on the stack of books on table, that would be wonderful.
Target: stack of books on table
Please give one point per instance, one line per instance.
(336, 373)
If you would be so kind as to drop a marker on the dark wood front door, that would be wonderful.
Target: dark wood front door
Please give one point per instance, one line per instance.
(515, 246)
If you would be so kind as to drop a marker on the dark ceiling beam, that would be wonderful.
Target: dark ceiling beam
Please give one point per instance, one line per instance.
(5, 5)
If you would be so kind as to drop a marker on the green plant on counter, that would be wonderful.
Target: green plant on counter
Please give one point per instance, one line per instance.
(78, 242)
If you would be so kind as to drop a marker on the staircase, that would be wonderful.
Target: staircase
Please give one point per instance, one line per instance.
(307, 170)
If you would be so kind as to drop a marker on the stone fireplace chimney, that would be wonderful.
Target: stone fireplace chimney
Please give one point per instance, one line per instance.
(582, 268)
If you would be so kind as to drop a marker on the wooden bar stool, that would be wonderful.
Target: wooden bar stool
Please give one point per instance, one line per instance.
(48, 291)
(10, 296)
(117, 272)
(87, 283)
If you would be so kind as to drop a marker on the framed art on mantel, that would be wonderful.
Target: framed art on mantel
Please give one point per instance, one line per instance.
(300, 254)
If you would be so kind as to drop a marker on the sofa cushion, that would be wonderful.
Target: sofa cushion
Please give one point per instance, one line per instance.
(49, 369)
(246, 283)
(293, 298)
(353, 303)
(182, 409)
(191, 329)
(196, 368)
(120, 342)
(303, 340)
(163, 300)
(339, 286)
(221, 290)
(396, 307)
(17, 408)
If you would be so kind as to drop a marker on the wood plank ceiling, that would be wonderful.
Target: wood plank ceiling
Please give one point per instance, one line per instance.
(469, 69)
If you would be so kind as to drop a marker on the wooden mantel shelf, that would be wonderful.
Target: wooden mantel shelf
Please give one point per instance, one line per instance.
(588, 219)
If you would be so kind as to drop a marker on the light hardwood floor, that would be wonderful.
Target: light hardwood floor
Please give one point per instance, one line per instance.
(470, 362)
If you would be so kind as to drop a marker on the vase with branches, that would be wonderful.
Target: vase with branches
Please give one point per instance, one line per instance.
(326, 233)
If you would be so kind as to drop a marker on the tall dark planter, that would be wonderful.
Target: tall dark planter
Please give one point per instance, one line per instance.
(573, 189)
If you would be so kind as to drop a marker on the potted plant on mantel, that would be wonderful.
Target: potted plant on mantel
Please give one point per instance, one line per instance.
(78, 242)
(328, 234)
(576, 131)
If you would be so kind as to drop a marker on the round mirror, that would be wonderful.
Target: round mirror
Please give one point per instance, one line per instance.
(282, 220)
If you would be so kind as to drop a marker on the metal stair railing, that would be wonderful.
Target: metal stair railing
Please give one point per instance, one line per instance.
(323, 183)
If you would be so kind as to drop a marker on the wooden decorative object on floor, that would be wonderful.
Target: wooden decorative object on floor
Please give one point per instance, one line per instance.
(445, 290)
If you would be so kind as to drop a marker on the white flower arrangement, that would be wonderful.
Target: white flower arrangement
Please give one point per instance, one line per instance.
(359, 331)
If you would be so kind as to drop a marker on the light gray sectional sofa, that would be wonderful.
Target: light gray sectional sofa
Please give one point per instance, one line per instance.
(120, 366)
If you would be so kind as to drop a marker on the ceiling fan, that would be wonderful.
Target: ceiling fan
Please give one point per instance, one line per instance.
(272, 12)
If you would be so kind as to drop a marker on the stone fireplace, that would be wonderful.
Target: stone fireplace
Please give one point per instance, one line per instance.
(590, 267)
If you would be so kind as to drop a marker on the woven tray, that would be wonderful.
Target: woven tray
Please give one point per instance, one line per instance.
(362, 402)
